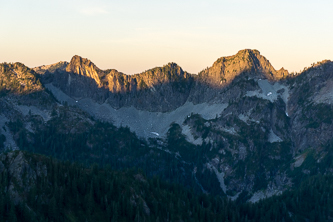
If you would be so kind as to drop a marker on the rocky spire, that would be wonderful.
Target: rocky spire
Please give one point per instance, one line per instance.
(84, 67)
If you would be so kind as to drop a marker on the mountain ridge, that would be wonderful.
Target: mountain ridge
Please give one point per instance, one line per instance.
(170, 83)
(119, 82)
(256, 132)
(223, 71)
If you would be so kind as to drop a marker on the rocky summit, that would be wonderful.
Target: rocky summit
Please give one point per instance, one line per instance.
(239, 129)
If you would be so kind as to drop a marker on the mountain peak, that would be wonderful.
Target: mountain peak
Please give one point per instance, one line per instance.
(83, 67)
(248, 51)
(77, 62)
(77, 58)
(172, 65)
(225, 69)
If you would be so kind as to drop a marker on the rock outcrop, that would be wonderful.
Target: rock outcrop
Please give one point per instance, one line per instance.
(248, 61)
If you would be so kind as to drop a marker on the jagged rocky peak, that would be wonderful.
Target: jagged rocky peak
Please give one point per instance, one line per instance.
(78, 62)
(84, 67)
(225, 69)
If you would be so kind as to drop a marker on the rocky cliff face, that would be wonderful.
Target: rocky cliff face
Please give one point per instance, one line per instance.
(310, 106)
(84, 67)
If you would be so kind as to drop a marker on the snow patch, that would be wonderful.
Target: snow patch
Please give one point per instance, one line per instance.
(220, 177)
(28, 127)
(269, 91)
(246, 117)
(273, 138)
(233, 198)
(299, 160)
(243, 118)
(259, 195)
(186, 130)
(230, 130)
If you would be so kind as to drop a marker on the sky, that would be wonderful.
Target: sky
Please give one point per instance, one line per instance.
(134, 36)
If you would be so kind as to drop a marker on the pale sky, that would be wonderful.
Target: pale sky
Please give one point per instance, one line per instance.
(134, 36)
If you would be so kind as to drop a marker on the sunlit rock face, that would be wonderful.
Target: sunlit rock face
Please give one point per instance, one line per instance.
(225, 69)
